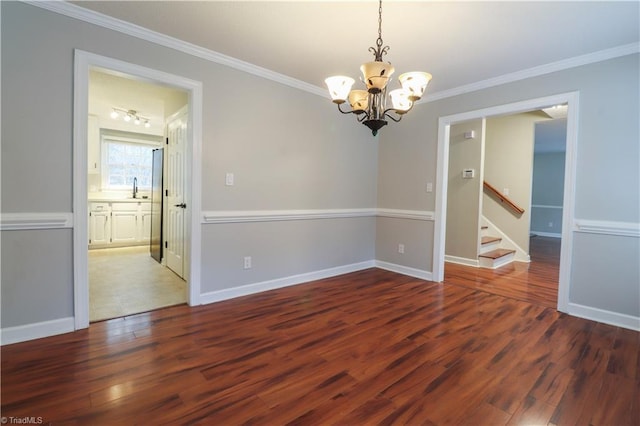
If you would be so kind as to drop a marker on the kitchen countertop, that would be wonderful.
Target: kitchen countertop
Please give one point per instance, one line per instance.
(119, 200)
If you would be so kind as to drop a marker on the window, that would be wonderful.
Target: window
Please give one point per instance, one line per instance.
(125, 159)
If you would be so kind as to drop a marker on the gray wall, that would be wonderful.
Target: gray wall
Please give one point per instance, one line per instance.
(607, 181)
(463, 195)
(548, 190)
(289, 149)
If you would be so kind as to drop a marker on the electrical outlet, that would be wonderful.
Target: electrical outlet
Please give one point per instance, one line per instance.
(401, 248)
(505, 191)
(247, 262)
(550, 224)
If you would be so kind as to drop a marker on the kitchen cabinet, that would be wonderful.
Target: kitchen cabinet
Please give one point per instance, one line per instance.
(124, 225)
(93, 145)
(119, 224)
(144, 223)
(99, 224)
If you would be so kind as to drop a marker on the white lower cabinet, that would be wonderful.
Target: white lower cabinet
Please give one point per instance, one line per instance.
(119, 224)
(99, 224)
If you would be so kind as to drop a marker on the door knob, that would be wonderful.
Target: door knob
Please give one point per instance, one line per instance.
(182, 205)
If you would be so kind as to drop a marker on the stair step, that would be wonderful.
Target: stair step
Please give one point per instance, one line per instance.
(497, 253)
(489, 240)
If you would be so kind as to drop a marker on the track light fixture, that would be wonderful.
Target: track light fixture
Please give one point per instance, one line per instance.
(128, 115)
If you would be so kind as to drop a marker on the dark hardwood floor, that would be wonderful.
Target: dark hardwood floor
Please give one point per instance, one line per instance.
(370, 347)
(535, 282)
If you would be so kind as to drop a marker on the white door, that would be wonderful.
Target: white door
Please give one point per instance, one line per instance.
(175, 193)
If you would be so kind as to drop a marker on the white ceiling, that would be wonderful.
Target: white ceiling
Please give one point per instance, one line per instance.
(460, 43)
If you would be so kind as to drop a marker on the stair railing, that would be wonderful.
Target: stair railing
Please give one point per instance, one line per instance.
(502, 198)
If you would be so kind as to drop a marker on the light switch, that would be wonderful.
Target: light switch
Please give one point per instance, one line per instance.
(429, 187)
(228, 180)
(471, 134)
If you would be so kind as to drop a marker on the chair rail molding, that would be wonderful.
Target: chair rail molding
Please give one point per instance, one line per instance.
(238, 216)
(33, 221)
(623, 229)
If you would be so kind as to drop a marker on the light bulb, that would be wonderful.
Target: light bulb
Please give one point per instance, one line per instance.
(127, 118)
(146, 124)
(114, 114)
(136, 121)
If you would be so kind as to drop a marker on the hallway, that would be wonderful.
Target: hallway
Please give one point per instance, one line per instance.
(535, 282)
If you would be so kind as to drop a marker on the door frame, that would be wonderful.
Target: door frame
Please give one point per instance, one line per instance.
(444, 124)
(83, 62)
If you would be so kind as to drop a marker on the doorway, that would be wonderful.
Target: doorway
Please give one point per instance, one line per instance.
(444, 129)
(128, 122)
(84, 63)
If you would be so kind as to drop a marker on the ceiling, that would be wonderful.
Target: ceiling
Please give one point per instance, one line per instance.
(460, 43)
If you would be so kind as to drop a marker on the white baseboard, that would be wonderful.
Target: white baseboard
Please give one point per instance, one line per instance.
(37, 330)
(405, 270)
(546, 234)
(607, 317)
(462, 260)
(245, 290)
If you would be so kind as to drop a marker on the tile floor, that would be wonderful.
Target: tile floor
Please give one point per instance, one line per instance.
(124, 281)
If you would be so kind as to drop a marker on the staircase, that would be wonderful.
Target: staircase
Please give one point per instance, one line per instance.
(492, 254)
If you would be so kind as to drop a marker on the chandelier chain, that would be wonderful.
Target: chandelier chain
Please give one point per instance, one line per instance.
(379, 41)
(379, 51)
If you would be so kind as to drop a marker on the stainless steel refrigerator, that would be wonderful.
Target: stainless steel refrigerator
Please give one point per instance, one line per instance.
(156, 205)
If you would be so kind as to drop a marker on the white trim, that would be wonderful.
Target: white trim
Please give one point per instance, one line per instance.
(604, 316)
(30, 221)
(462, 260)
(83, 14)
(406, 214)
(37, 330)
(230, 293)
(541, 206)
(546, 234)
(623, 229)
(444, 124)
(237, 216)
(77, 12)
(404, 270)
(83, 62)
(576, 61)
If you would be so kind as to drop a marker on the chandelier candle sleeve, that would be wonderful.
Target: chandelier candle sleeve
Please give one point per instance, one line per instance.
(370, 105)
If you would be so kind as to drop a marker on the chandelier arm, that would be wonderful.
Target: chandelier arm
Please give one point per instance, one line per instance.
(344, 112)
(391, 116)
(363, 116)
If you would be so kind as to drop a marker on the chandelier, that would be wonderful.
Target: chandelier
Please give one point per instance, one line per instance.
(370, 106)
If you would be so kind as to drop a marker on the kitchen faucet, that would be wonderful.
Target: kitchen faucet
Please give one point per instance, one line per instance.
(135, 187)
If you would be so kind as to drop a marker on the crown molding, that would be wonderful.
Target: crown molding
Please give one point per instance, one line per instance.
(64, 8)
(577, 61)
(67, 9)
